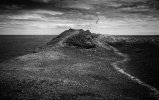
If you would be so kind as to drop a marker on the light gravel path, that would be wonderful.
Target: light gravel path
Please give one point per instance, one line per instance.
(154, 92)
(61, 43)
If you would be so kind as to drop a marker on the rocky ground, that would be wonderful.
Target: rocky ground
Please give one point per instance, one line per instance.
(73, 66)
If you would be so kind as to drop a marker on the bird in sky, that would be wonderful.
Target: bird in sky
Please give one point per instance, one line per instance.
(97, 21)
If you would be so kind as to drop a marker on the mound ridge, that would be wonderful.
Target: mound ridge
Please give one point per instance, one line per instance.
(77, 38)
(74, 37)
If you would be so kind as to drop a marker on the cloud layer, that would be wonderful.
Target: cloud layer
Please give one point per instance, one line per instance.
(54, 16)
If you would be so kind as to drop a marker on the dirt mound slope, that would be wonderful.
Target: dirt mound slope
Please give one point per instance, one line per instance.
(74, 37)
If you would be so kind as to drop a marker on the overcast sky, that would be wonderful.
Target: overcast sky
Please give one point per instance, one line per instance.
(49, 17)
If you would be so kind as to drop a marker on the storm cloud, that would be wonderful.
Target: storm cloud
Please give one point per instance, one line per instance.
(85, 4)
(115, 16)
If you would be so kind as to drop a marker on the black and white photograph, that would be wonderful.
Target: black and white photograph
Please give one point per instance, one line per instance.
(79, 49)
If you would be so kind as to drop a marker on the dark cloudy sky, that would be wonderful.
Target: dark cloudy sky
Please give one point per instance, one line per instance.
(43, 17)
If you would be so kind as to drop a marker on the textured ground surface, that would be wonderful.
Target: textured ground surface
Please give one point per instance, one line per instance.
(63, 72)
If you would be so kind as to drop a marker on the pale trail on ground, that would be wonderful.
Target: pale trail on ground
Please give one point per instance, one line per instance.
(155, 92)
(61, 43)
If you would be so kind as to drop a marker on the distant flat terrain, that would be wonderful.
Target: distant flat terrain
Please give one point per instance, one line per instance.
(17, 45)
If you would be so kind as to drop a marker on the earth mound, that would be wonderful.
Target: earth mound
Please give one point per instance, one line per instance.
(74, 37)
